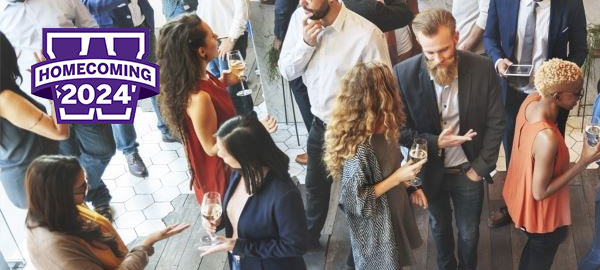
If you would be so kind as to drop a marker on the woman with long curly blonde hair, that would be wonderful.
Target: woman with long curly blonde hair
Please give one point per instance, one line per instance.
(363, 153)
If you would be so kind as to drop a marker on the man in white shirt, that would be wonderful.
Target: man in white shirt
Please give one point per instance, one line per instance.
(22, 22)
(228, 20)
(325, 40)
(471, 16)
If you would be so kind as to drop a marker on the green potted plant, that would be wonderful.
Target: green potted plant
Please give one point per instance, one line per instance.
(271, 59)
(593, 40)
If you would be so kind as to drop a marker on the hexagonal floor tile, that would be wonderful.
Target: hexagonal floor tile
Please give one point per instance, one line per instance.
(281, 136)
(113, 171)
(119, 209)
(127, 235)
(166, 194)
(184, 188)
(121, 194)
(165, 157)
(169, 146)
(181, 152)
(158, 210)
(149, 226)
(147, 186)
(179, 165)
(174, 178)
(127, 180)
(149, 149)
(152, 137)
(110, 184)
(138, 202)
(157, 171)
(130, 219)
(292, 142)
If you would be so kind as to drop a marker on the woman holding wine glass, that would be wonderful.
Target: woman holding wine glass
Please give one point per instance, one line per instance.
(362, 151)
(536, 188)
(262, 212)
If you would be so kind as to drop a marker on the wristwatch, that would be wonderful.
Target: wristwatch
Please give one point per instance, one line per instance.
(412, 189)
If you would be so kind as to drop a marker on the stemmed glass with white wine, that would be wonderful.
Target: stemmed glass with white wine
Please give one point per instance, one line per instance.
(237, 65)
(418, 152)
(211, 210)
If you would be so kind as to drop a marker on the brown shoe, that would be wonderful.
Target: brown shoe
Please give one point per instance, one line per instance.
(499, 218)
(302, 158)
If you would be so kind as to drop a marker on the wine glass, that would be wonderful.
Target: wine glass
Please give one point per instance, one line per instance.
(237, 65)
(418, 152)
(211, 211)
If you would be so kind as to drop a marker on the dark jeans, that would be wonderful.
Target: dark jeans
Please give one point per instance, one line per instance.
(94, 145)
(467, 199)
(539, 251)
(318, 185)
(512, 103)
(242, 104)
(301, 95)
(591, 261)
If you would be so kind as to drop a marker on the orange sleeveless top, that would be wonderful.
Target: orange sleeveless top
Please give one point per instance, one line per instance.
(542, 216)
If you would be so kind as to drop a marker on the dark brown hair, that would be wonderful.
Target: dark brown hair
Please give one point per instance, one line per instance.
(429, 21)
(49, 182)
(180, 68)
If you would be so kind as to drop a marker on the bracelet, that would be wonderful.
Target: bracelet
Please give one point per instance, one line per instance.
(38, 121)
(410, 190)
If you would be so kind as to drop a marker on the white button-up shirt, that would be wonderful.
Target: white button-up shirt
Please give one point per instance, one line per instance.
(349, 40)
(227, 18)
(22, 23)
(469, 14)
(540, 41)
(447, 99)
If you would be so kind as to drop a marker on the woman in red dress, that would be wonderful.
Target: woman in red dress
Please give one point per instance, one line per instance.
(193, 102)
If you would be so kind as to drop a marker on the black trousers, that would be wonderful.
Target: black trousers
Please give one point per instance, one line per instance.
(538, 253)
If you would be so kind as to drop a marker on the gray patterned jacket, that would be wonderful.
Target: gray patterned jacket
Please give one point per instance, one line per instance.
(369, 218)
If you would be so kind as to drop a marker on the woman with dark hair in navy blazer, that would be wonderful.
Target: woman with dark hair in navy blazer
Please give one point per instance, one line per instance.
(263, 214)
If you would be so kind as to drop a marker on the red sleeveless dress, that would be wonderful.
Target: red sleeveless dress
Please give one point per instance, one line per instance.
(209, 174)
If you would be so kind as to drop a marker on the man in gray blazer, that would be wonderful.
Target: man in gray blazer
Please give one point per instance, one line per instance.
(451, 99)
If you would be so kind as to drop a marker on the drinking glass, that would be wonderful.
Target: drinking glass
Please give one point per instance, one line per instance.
(211, 210)
(418, 152)
(237, 65)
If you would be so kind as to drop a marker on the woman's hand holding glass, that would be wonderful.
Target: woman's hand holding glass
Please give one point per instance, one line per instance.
(409, 171)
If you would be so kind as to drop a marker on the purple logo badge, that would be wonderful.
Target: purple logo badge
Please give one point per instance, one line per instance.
(95, 76)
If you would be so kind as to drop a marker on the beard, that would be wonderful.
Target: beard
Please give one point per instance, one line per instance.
(318, 13)
(443, 75)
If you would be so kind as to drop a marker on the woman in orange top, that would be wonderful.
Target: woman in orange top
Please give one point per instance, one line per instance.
(62, 233)
(536, 190)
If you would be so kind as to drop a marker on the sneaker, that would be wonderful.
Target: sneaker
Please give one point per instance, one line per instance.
(168, 138)
(136, 165)
(106, 211)
(302, 159)
(499, 218)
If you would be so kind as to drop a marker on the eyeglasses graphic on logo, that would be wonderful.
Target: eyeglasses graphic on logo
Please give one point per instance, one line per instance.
(95, 76)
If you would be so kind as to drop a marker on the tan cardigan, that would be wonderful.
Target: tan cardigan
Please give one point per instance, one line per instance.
(59, 251)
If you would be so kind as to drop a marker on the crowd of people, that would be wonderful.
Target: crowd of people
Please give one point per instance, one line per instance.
(372, 79)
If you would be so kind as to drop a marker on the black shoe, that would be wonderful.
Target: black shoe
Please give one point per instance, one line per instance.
(136, 165)
(106, 211)
(499, 218)
(168, 138)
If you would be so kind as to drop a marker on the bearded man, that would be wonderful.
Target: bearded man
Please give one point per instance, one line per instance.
(452, 99)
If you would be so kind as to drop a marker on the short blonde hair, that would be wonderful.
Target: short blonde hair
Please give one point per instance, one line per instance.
(429, 21)
(557, 75)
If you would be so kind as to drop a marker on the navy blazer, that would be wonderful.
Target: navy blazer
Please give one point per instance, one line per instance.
(566, 37)
(272, 227)
(116, 14)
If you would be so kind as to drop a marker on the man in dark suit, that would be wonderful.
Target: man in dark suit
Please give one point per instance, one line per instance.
(557, 29)
(446, 93)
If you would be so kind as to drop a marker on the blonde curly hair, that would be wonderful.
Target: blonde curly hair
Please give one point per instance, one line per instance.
(557, 75)
(367, 100)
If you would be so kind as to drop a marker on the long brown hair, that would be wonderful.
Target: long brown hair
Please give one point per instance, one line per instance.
(49, 182)
(180, 69)
(367, 99)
